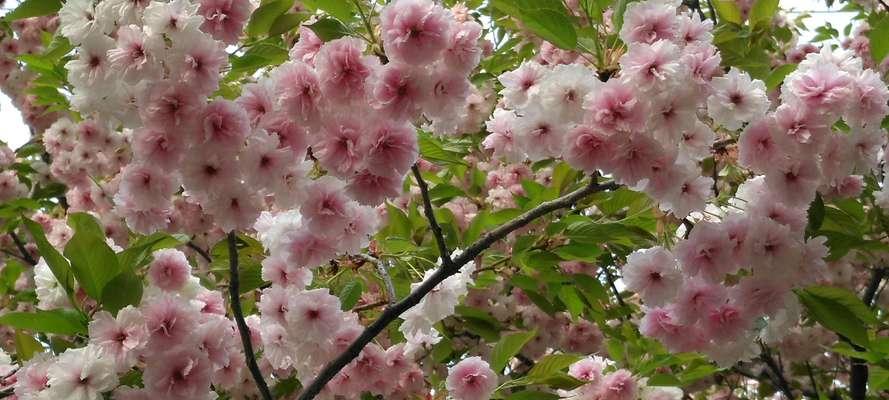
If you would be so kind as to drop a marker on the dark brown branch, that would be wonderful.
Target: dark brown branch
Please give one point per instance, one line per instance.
(544, 208)
(197, 249)
(858, 372)
(712, 12)
(777, 374)
(430, 215)
(614, 290)
(812, 379)
(720, 145)
(26, 255)
(874, 283)
(445, 271)
(243, 329)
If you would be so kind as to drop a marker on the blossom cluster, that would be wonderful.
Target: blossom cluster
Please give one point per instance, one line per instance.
(185, 163)
(642, 127)
(303, 329)
(179, 335)
(618, 384)
(15, 79)
(651, 124)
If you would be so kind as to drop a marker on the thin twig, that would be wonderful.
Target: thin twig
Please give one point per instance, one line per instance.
(243, 329)
(197, 249)
(26, 255)
(812, 379)
(720, 145)
(777, 374)
(858, 371)
(872, 285)
(443, 272)
(6, 392)
(369, 306)
(613, 286)
(712, 12)
(383, 270)
(430, 215)
(14, 255)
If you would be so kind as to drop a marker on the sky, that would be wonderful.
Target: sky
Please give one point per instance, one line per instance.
(14, 132)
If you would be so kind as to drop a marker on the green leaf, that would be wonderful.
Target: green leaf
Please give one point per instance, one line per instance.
(34, 8)
(262, 54)
(62, 322)
(572, 300)
(56, 262)
(264, 16)
(350, 294)
(847, 299)
(329, 29)
(776, 77)
(58, 48)
(841, 243)
(399, 224)
(508, 347)
(532, 395)
(832, 310)
(9, 274)
(664, 380)
(697, 373)
(762, 12)
(123, 290)
(815, 215)
(433, 149)
(339, 9)
(551, 25)
(551, 365)
(728, 11)
(93, 262)
(140, 249)
(26, 347)
(285, 23)
(879, 37)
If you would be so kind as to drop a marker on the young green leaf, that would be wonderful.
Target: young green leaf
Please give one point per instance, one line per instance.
(508, 347)
(93, 262)
(63, 322)
(34, 8)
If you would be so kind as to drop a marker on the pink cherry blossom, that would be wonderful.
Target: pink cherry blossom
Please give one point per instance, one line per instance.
(169, 270)
(414, 31)
(471, 379)
(225, 19)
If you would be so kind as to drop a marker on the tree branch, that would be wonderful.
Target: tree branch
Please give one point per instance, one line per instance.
(447, 269)
(430, 215)
(616, 292)
(858, 372)
(777, 374)
(812, 379)
(22, 249)
(234, 291)
(197, 249)
(712, 12)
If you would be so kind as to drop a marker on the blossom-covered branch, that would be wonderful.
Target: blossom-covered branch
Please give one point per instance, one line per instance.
(443, 272)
